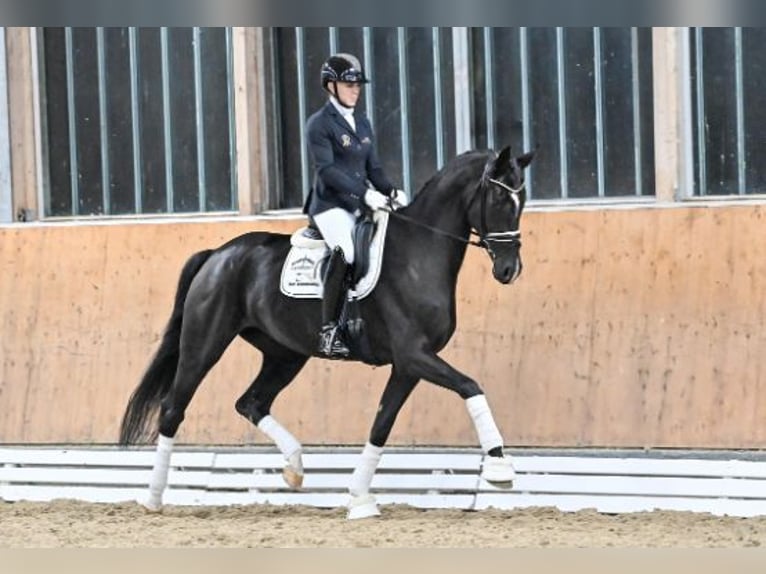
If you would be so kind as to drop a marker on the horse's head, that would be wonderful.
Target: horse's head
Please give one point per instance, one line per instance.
(495, 212)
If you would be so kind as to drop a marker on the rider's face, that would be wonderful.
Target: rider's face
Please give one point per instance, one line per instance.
(348, 93)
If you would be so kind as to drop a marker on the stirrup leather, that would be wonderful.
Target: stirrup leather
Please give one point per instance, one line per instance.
(330, 343)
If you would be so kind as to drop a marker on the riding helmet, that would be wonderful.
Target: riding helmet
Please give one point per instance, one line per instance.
(343, 68)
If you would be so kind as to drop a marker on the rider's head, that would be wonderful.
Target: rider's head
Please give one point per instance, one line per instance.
(342, 77)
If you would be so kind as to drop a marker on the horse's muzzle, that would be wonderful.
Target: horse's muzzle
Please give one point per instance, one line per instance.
(508, 273)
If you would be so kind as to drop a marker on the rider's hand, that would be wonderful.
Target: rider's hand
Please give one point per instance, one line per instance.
(375, 200)
(399, 199)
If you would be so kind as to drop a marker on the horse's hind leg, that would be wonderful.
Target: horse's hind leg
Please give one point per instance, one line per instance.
(278, 369)
(202, 343)
(398, 388)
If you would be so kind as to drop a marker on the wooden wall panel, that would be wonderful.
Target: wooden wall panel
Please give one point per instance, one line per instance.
(635, 327)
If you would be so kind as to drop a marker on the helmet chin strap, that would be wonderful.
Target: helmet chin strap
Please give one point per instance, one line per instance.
(334, 93)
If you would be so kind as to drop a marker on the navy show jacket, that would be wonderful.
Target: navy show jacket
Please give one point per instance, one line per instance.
(344, 161)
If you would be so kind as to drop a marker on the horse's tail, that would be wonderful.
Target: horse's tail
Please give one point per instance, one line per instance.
(143, 406)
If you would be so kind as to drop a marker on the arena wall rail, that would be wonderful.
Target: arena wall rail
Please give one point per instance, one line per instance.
(611, 482)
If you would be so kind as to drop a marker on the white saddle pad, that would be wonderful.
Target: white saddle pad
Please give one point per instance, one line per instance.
(301, 277)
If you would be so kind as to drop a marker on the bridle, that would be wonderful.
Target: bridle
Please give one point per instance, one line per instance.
(486, 238)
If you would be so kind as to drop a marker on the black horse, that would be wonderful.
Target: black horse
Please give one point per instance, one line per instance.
(409, 317)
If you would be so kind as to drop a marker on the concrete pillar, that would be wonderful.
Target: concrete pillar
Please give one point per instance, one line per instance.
(672, 114)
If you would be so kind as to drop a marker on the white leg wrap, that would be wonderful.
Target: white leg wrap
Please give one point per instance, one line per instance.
(290, 448)
(495, 470)
(365, 469)
(489, 436)
(159, 478)
(295, 461)
(362, 503)
(287, 444)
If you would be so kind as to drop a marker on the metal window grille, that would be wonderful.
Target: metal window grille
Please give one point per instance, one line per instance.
(410, 101)
(139, 121)
(728, 103)
(584, 95)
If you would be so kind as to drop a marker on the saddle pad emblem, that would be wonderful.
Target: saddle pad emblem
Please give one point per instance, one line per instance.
(301, 273)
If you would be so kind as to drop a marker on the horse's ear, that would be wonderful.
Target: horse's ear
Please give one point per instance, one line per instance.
(526, 159)
(503, 161)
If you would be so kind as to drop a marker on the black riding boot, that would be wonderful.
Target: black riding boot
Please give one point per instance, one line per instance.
(335, 284)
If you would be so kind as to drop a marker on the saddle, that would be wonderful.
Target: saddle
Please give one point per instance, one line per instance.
(364, 231)
(304, 265)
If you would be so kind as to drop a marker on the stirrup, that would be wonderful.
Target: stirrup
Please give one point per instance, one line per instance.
(330, 343)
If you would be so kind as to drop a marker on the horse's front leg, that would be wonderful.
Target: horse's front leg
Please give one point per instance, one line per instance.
(497, 468)
(362, 504)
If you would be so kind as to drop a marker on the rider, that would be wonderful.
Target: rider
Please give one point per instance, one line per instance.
(348, 179)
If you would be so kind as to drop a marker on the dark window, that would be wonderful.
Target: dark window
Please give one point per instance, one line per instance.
(583, 95)
(131, 110)
(728, 66)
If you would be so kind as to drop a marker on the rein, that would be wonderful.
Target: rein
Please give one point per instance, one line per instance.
(435, 229)
(484, 237)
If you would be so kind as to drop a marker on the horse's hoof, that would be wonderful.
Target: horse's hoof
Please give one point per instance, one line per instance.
(498, 471)
(293, 478)
(292, 473)
(150, 506)
(362, 506)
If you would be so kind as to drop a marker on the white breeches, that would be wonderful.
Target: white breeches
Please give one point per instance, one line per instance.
(337, 226)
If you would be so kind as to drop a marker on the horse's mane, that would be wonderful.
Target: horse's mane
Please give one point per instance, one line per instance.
(436, 177)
